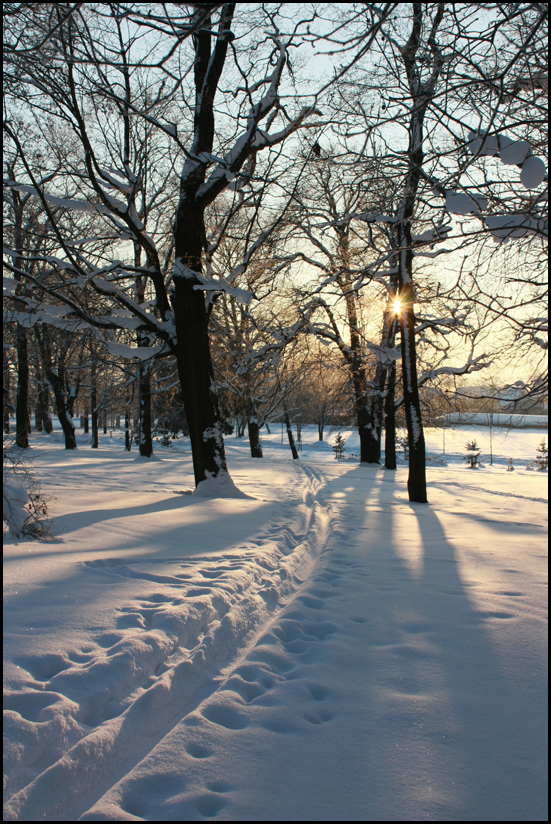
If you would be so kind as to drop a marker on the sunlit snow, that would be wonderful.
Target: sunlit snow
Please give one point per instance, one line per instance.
(320, 650)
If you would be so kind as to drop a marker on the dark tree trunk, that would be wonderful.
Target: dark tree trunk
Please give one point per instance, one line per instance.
(254, 434)
(86, 422)
(320, 429)
(377, 396)
(56, 382)
(42, 412)
(144, 387)
(127, 432)
(417, 481)
(290, 435)
(61, 404)
(421, 95)
(94, 406)
(390, 418)
(6, 401)
(22, 401)
(364, 431)
(72, 392)
(193, 356)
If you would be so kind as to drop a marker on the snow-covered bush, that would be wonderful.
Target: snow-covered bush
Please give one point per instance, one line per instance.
(25, 510)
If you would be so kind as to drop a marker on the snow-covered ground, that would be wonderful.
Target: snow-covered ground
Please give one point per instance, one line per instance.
(321, 650)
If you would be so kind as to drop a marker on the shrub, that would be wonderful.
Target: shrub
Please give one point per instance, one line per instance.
(25, 510)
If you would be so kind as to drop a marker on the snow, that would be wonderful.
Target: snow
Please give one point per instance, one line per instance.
(14, 502)
(143, 353)
(461, 204)
(533, 172)
(320, 650)
(515, 153)
(504, 227)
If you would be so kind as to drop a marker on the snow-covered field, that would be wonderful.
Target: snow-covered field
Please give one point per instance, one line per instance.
(322, 650)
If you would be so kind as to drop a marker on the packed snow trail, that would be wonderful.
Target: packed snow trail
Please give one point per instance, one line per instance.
(88, 715)
(379, 693)
(325, 652)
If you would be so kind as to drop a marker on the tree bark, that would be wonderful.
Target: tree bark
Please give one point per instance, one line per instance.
(144, 389)
(290, 435)
(390, 418)
(254, 433)
(56, 382)
(94, 405)
(421, 94)
(6, 400)
(127, 432)
(22, 401)
(42, 413)
(64, 418)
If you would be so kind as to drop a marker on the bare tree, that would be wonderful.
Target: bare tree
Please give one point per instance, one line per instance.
(92, 79)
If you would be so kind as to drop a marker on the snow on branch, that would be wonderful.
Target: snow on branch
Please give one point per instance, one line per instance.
(143, 353)
(511, 153)
(212, 284)
(66, 203)
(506, 227)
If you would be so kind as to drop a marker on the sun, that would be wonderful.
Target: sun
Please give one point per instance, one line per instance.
(397, 306)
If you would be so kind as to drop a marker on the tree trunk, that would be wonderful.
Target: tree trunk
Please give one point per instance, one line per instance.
(364, 429)
(42, 413)
(6, 401)
(193, 356)
(390, 418)
(377, 396)
(290, 435)
(21, 405)
(144, 388)
(94, 406)
(127, 432)
(254, 433)
(417, 481)
(421, 94)
(62, 413)
(254, 438)
(72, 393)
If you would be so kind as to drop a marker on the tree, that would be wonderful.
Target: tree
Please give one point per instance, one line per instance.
(339, 447)
(420, 78)
(473, 453)
(89, 83)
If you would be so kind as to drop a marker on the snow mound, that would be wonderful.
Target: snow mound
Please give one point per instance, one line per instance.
(15, 512)
(219, 486)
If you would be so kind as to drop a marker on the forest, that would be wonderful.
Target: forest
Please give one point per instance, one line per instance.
(275, 411)
(218, 213)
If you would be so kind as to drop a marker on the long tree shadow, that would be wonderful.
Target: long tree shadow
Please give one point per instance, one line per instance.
(498, 746)
(446, 732)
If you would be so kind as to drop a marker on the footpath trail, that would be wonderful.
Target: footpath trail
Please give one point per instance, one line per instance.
(357, 658)
(157, 629)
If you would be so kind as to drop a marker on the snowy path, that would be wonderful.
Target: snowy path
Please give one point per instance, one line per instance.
(100, 708)
(324, 652)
